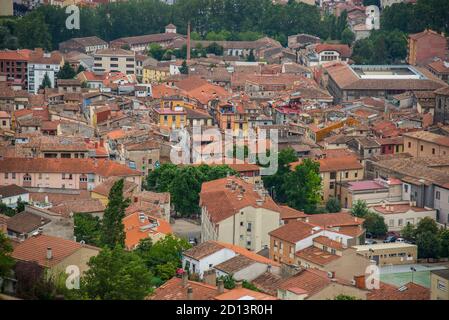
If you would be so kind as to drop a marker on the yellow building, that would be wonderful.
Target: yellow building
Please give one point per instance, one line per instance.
(334, 171)
(439, 284)
(389, 253)
(155, 74)
(172, 118)
(6, 8)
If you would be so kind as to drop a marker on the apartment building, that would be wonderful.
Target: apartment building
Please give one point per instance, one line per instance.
(237, 212)
(14, 64)
(425, 143)
(398, 215)
(115, 60)
(425, 46)
(335, 171)
(79, 174)
(40, 64)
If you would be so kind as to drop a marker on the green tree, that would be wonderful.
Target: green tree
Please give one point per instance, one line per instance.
(427, 224)
(347, 36)
(20, 205)
(444, 241)
(303, 186)
(163, 258)
(215, 49)
(276, 183)
(46, 82)
(428, 244)
(33, 32)
(87, 228)
(409, 232)
(156, 51)
(251, 57)
(80, 69)
(112, 231)
(184, 68)
(344, 297)
(359, 209)
(375, 224)
(66, 72)
(7, 211)
(6, 261)
(115, 274)
(333, 205)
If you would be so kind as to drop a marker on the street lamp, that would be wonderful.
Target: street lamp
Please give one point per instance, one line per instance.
(413, 269)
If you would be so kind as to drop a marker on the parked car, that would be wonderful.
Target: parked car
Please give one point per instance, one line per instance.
(400, 240)
(368, 235)
(370, 241)
(390, 239)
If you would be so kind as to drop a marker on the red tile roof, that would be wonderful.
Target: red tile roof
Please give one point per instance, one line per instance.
(343, 49)
(244, 294)
(174, 290)
(222, 202)
(409, 291)
(35, 249)
(105, 168)
(134, 232)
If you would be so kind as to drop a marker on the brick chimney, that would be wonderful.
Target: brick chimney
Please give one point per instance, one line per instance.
(188, 41)
(189, 293)
(185, 278)
(220, 287)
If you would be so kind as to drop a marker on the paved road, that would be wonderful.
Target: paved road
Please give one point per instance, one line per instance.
(184, 228)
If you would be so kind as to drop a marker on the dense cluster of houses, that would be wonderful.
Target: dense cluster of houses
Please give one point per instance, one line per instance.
(380, 134)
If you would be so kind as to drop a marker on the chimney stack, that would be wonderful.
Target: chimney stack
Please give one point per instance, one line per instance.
(238, 284)
(188, 41)
(49, 253)
(189, 293)
(220, 286)
(185, 278)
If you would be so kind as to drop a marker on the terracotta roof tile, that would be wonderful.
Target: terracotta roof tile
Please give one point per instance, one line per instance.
(35, 249)
(174, 290)
(409, 291)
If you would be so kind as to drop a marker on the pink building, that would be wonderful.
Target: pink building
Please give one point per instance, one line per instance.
(63, 173)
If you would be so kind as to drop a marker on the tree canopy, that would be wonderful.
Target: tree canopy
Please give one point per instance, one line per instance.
(112, 229)
(6, 261)
(66, 72)
(184, 183)
(116, 274)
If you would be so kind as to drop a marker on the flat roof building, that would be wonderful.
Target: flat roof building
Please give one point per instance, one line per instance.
(395, 253)
(351, 82)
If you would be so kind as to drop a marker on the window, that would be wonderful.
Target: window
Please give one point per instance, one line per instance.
(248, 228)
(83, 179)
(405, 188)
(275, 244)
(241, 224)
(437, 195)
(441, 285)
(356, 174)
(331, 185)
(114, 59)
(114, 65)
(6, 175)
(26, 177)
(433, 150)
(409, 144)
(391, 223)
(400, 222)
(333, 175)
(422, 148)
(13, 175)
(346, 175)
